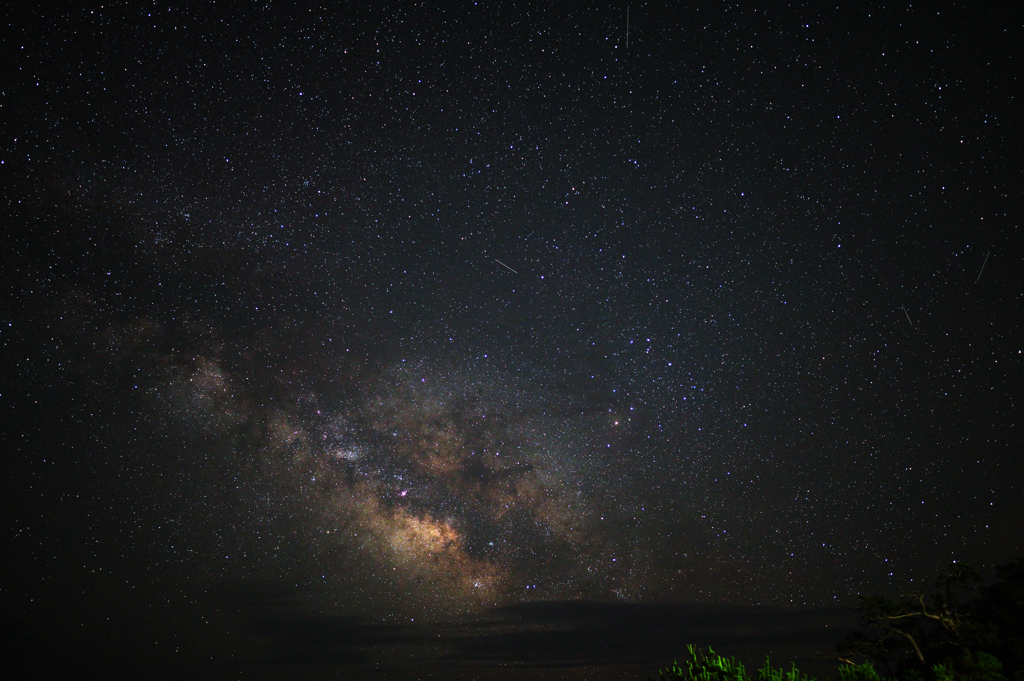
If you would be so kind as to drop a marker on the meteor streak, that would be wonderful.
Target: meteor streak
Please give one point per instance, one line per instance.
(505, 266)
(982, 267)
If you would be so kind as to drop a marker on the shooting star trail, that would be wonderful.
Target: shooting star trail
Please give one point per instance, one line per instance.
(505, 266)
(983, 267)
(627, 27)
(908, 315)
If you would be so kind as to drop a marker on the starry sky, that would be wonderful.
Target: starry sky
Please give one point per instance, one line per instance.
(332, 332)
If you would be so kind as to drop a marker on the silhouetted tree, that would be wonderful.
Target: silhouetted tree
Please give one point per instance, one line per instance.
(952, 631)
(1002, 608)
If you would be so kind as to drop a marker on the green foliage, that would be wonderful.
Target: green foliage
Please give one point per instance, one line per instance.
(979, 666)
(766, 673)
(943, 672)
(709, 666)
(858, 672)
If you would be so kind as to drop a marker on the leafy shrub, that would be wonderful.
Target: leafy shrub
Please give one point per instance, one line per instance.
(710, 666)
(701, 666)
(859, 672)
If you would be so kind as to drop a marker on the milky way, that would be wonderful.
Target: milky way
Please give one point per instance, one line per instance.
(458, 487)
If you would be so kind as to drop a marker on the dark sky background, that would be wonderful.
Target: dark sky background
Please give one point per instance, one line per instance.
(466, 340)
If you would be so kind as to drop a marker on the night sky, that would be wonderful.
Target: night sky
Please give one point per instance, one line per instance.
(473, 339)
